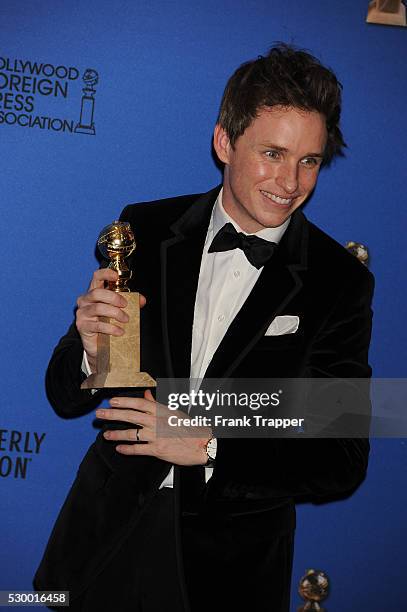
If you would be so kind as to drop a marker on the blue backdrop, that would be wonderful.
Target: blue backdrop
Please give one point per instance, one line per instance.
(162, 67)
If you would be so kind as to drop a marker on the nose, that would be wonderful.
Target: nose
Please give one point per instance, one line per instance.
(287, 178)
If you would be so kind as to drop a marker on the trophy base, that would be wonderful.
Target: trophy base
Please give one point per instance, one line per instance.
(118, 357)
(118, 379)
(85, 129)
(376, 16)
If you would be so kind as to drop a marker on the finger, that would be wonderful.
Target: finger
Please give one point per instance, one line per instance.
(91, 327)
(135, 403)
(105, 296)
(141, 418)
(127, 416)
(148, 395)
(129, 435)
(135, 449)
(103, 310)
(100, 276)
(139, 434)
(143, 300)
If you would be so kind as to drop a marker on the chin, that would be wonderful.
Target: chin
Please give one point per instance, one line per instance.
(277, 222)
(276, 219)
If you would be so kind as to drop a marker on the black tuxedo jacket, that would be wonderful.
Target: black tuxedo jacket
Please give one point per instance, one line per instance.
(310, 276)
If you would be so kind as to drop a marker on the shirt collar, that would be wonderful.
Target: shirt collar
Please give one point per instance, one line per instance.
(220, 217)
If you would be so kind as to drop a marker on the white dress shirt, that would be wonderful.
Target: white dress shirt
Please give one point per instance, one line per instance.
(225, 280)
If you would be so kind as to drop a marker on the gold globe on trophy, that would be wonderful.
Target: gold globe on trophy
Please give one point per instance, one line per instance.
(118, 357)
(360, 251)
(313, 587)
(116, 242)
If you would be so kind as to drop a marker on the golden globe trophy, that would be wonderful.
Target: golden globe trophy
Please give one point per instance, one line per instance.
(360, 251)
(313, 587)
(118, 357)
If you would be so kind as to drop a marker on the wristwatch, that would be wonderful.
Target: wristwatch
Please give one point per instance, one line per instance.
(211, 448)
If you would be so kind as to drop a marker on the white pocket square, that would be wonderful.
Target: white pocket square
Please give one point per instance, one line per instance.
(285, 324)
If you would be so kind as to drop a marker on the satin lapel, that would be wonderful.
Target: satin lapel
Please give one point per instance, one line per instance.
(181, 261)
(278, 283)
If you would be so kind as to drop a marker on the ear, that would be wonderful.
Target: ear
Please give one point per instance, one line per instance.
(221, 144)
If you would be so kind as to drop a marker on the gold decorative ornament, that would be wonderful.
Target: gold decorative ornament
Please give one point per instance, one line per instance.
(313, 587)
(358, 250)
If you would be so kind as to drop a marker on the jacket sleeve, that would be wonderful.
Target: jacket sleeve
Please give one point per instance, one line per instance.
(309, 467)
(64, 377)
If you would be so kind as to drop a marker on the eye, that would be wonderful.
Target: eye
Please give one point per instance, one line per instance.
(273, 154)
(311, 162)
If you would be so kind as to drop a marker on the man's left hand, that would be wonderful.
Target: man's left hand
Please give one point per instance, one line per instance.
(172, 444)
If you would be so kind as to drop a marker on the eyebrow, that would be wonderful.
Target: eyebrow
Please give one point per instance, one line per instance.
(269, 145)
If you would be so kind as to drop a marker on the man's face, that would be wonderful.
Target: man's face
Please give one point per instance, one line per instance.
(273, 166)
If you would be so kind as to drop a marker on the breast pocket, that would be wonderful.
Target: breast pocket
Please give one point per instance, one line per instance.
(284, 341)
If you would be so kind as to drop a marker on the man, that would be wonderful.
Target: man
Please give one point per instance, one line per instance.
(142, 529)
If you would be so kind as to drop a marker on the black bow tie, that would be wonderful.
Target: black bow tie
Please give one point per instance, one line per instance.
(257, 250)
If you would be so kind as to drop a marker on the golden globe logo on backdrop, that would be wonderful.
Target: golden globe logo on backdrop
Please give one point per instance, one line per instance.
(38, 95)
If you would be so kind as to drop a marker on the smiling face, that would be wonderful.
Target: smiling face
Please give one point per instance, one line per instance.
(272, 167)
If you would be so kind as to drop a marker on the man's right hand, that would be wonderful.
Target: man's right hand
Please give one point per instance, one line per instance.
(96, 303)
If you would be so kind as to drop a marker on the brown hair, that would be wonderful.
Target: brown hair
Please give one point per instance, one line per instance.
(286, 77)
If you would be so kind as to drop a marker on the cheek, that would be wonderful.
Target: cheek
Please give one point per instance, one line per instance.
(264, 171)
(253, 172)
(308, 180)
(248, 172)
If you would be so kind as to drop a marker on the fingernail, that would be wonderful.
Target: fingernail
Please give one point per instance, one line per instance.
(100, 412)
(114, 401)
